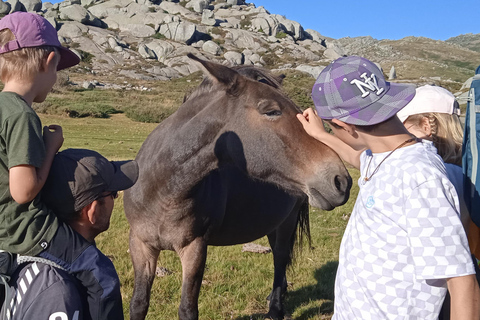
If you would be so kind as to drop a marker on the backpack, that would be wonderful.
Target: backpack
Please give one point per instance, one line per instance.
(471, 150)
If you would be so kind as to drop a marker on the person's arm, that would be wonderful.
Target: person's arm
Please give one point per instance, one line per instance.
(26, 181)
(313, 125)
(465, 297)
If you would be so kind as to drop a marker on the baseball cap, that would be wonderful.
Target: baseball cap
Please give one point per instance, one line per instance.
(80, 176)
(353, 89)
(32, 30)
(430, 99)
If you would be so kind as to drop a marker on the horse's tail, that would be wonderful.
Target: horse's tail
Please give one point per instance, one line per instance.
(302, 231)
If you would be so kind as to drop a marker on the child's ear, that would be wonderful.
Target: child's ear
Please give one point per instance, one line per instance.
(426, 127)
(345, 126)
(51, 61)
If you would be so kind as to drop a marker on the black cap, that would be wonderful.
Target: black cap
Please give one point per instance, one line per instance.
(80, 176)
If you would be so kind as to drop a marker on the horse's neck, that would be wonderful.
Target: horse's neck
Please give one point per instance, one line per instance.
(180, 153)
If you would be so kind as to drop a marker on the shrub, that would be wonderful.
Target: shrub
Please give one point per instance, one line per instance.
(158, 35)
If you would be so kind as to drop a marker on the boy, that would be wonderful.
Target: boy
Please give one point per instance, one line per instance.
(404, 242)
(30, 55)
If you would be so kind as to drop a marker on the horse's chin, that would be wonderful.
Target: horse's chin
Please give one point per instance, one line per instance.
(316, 200)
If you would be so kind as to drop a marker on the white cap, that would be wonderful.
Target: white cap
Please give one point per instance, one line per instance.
(430, 99)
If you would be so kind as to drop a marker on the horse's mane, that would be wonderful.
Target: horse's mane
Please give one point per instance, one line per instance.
(255, 73)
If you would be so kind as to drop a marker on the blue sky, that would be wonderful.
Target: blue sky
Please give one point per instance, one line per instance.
(387, 19)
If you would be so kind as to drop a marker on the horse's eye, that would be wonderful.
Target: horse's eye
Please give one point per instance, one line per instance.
(273, 113)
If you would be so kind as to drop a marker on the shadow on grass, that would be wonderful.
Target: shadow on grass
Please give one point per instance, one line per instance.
(322, 290)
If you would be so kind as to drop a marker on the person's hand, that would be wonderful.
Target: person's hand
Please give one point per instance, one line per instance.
(312, 123)
(53, 137)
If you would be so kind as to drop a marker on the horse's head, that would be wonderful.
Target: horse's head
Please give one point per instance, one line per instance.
(257, 130)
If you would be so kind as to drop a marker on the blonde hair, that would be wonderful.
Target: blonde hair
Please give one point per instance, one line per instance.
(447, 134)
(23, 63)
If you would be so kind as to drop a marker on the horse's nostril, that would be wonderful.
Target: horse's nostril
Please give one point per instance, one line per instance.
(338, 183)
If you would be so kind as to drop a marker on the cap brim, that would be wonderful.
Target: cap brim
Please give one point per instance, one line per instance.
(126, 174)
(397, 97)
(67, 59)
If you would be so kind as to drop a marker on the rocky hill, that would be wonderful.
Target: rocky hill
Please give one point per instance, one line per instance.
(469, 40)
(149, 40)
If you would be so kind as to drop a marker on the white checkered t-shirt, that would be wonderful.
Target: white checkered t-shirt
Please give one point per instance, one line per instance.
(403, 240)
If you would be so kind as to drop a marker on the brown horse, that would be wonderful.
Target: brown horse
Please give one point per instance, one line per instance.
(232, 165)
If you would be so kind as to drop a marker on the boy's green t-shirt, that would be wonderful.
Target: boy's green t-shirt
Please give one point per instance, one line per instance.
(24, 228)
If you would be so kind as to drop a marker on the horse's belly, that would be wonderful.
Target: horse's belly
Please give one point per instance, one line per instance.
(249, 224)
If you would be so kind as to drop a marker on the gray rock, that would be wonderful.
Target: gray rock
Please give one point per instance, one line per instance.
(112, 42)
(162, 49)
(32, 5)
(333, 51)
(51, 13)
(78, 13)
(179, 31)
(393, 74)
(173, 8)
(234, 58)
(146, 52)
(208, 18)
(5, 7)
(331, 54)
(212, 48)
(70, 29)
(88, 85)
(198, 5)
(244, 39)
(67, 3)
(87, 3)
(136, 9)
(235, 2)
(311, 70)
(167, 73)
(292, 27)
(15, 6)
(315, 36)
(255, 248)
(262, 24)
(132, 74)
(108, 8)
(46, 6)
(138, 30)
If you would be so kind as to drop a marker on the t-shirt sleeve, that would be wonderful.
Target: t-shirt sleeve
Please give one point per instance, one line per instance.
(24, 140)
(435, 234)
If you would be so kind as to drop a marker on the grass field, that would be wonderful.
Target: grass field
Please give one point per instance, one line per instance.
(236, 283)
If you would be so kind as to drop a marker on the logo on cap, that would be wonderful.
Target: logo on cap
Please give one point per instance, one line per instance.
(369, 83)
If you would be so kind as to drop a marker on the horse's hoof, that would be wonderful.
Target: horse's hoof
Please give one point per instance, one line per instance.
(275, 315)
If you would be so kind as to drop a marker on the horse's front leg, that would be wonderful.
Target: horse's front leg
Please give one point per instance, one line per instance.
(193, 258)
(144, 259)
(282, 242)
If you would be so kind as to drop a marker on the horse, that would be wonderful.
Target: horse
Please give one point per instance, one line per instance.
(231, 165)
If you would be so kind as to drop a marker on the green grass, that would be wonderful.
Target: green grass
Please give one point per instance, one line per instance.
(235, 284)
(144, 106)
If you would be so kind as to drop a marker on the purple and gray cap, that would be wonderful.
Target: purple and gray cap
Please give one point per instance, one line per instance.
(353, 89)
(80, 176)
(32, 30)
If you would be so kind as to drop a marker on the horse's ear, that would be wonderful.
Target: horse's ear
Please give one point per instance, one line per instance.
(219, 73)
